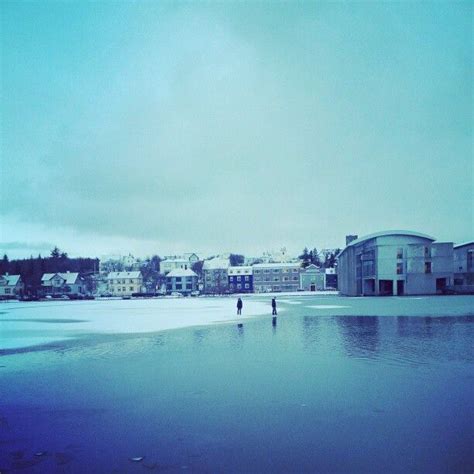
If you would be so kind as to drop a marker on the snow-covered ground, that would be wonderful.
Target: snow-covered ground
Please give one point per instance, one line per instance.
(29, 324)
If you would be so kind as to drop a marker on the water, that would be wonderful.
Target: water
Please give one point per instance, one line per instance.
(320, 392)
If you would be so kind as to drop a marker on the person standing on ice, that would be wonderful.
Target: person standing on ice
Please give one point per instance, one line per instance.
(274, 306)
(239, 306)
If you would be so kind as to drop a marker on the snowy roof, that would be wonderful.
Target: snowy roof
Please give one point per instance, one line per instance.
(277, 265)
(465, 244)
(385, 233)
(70, 277)
(243, 270)
(113, 275)
(179, 272)
(216, 264)
(175, 260)
(313, 268)
(12, 280)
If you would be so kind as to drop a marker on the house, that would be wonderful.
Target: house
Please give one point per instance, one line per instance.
(11, 286)
(240, 279)
(215, 274)
(330, 279)
(395, 262)
(464, 267)
(183, 281)
(124, 283)
(312, 278)
(183, 262)
(276, 277)
(63, 284)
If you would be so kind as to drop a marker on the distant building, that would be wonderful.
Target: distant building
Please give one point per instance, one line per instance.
(269, 277)
(464, 267)
(11, 286)
(215, 275)
(63, 284)
(330, 279)
(395, 263)
(183, 281)
(182, 262)
(124, 283)
(240, 279)
(312, 278)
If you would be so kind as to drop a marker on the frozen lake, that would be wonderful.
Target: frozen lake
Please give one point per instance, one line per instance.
(339, 385)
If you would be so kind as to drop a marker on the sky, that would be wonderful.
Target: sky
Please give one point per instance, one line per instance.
(170, 127)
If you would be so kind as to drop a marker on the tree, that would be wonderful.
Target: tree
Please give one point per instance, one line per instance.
(330, 258)
(55, 253)
(4, 265)
(305, 257)
(315, 260)
(236, 259)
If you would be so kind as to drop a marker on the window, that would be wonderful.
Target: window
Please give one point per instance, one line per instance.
(267, 271)
(131, 281)
(119, 289)
(7, 291)
(246, 278)
(178, 279)
(247, 286)
(238, 278)
(276, 279)
(295, 270)
(427, 251)
(427, 267)
(276, 270)
(295, 278)
(257, 271)
(131, 288)
(189, 286)
(399, 268)
(124, 289)
(286, 278)
(399, 253)
(178, 286)
(239, 286)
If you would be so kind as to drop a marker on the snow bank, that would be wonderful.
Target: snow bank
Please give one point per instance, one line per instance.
(28, 324)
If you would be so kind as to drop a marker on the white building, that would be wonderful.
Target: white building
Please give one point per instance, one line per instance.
(395, 263)
(269, 277)
(69, 283)
(124, 283)
(312, 278)
(182, 262)
(11, 286)
(183, 281)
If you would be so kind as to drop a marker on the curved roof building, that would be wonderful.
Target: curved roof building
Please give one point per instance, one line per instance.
(395, 262)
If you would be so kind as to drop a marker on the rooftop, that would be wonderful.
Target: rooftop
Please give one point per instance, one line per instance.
(179, 272)
(386, 233)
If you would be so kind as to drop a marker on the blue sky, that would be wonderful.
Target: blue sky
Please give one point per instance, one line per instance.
(165, 127)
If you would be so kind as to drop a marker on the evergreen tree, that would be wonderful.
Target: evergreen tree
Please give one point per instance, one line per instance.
(305, 257)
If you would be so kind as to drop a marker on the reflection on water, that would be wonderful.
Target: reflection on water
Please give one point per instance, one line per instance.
(360, 335)
(312, 394)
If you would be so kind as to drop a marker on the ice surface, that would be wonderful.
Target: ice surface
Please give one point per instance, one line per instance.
(28, 324)
(327, 306)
